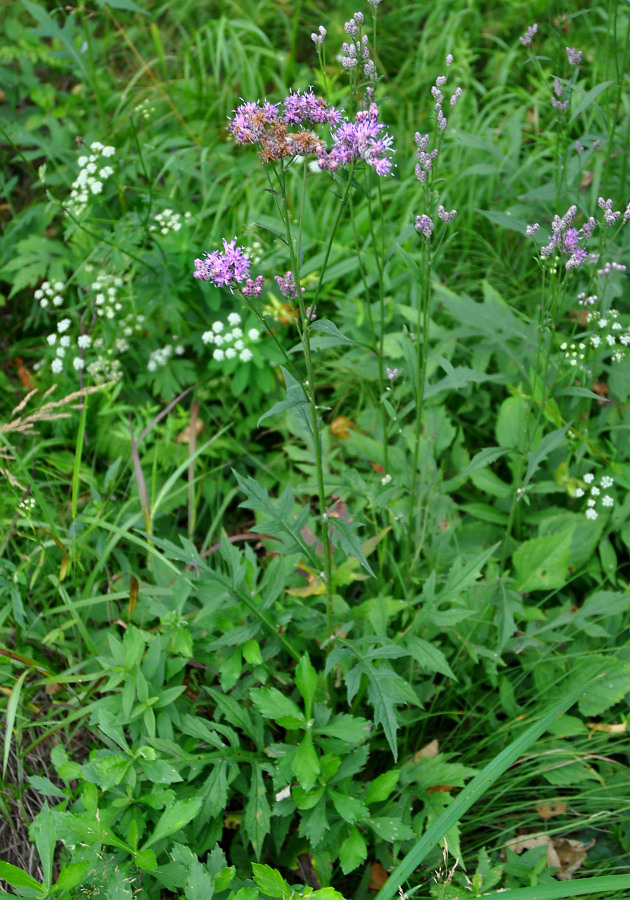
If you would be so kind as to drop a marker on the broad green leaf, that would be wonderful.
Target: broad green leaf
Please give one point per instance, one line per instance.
(589, 98)
(543, 563)
(326, 893)
(174, 818)
(305, 762)
(352, 851)
(18, 877)
(145, 859)
(45, 786)
(272, 704)
(347, 728)
(547, 445)
(391, 829)
(479, 461)
(270, 881)
(295, 396)
(325, 326)
(11, 712)
(43, 831)
(381, 787)
(511, 427)
(70, 876)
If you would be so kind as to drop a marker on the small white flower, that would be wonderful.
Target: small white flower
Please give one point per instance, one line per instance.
(607, 500)
(61, 352)
(234, 319)
(43, 303)
(58, 300)
(52, 339)
(579, 492)
(588, 477)
(591, 514)
(245, 355)
(230, 353)
(38, 294)
(64, 340)
(228, 337)
(95, 146)
(82, 161)
(99, 299)
(208, 337)
(84, 341)
(108, 151)
(253, 335)
(237, 333)
(590, 502)
(219, 355)
(606, 481)
(96, 187)
(239, 345)
(59, 285)
(78, 363)
(594, 491)
(217, 327)
(63, 325)
(57, 366)
(218, 339)
(386, 479)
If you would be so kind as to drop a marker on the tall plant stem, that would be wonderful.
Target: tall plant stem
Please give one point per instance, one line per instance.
(309, 384)
(378, 258)
(422, 352)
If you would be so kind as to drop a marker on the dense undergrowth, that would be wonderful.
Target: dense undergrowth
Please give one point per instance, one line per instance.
(314, 568)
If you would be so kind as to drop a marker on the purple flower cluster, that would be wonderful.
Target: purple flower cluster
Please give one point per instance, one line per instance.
(566, 239)
(610, 216)
(287, 285)
(253, 288)
(363, 140)
(558, 104)
(424, 226)
(574, 56)
(318, 39)
(357, 52)
(223, 269)
(446, 216)
(268, 124)
(527, 38)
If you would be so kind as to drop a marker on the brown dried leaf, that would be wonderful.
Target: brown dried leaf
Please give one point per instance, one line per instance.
(184, 436)
(429, 750)
(587, 178)
(340, 427)
(564, 854)
(613, 728)
(441, 788)
(549, 810)
(378, 877)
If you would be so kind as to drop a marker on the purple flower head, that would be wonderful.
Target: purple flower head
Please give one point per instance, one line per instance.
(449, 59)
(527, 38)
(531, 230)
(311, 313)
(249, 121)
(424, 226)
(223, 269)
(560, 105)
(307, 107)
(576, 258)
(392, 373)
(362, 139)
(446, 216)
(574, 56)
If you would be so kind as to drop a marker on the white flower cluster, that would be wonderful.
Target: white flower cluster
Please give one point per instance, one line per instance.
(27, 505)
(595, 493)
(105, 368)
(62, 342)
(611, 267)
(230, 344)
(574, 354)
(167, 221)
(106, 300)
(92, 175)
(583, 300)
(50, 293)
(612, 334)
(161, 356)
(144, 109)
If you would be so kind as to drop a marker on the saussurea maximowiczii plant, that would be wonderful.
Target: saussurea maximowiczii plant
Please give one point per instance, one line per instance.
(285, 132)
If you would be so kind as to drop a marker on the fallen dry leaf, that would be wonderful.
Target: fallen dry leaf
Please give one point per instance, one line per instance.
(548, 811)
(440, 788)
(613, 728)
(184, 436)
(563, 854)
(378, 877)
(429, 750)
(587, 178)
(340, 427)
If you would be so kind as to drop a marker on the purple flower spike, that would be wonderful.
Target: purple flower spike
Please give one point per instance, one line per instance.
(223, 269)
(253, 288)
(574, 56)
(287, 285)
(527, 38)
(424, 226)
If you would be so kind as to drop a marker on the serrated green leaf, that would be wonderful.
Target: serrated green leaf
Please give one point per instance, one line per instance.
(146, 859)
(427, 656)
(174, 818)
(257, 815)
(270, 881)
(70, 876)
(199, 884)
(306, 682)
(543, 563)
(349, 808)
(391, 829)
(347, 728)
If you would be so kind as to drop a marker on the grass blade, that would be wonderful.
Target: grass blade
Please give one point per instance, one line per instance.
(605, 884)
(476, 789)
(12, 707)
